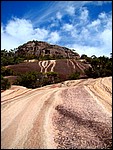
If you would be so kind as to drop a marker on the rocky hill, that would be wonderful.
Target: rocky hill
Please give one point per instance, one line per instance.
(43, 57)
(40, 49)
(74, 114)
(64, 67)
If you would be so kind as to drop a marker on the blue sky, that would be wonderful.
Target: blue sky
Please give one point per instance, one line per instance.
(85, 26)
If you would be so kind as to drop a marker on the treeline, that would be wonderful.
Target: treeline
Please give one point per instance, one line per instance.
(99, 66)
(34, 79)
(11, 57)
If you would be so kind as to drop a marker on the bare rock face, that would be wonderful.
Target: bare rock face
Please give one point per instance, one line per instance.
(39, 48)
(64, 67)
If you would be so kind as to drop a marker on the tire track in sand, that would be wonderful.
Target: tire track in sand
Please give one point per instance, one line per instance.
(101, 94)
(31, 110)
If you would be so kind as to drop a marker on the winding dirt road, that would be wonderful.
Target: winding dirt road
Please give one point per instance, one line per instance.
(72, 114)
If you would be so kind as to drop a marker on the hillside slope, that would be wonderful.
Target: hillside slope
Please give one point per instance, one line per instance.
(64, 67)
(72, 114)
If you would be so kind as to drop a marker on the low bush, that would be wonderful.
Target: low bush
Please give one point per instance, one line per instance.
(5, 84)
(74, 76)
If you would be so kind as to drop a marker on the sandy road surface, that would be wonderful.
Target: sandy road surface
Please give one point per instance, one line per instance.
(72, 114)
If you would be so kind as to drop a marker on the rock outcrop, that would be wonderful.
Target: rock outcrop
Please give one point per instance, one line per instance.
(39, 48)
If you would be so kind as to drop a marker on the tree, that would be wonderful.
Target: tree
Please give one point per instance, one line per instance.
(53, 77)
(83, 56)
(30, 79)
(5, 84)
(6, 71)
(100, 67)
(74, 76)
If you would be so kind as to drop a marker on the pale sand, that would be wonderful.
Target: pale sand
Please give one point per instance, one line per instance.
(72, 114)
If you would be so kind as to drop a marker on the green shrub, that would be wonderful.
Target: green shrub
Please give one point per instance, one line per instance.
(74, 76)
(37, 79)
(52, 77)
(100, 67)
(5, 84)
(30, 79)
(6, 71)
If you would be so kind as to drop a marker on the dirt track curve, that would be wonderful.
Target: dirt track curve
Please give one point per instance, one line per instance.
(72, 114)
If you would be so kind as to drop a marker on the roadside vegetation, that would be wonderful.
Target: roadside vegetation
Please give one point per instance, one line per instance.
(5, 84)
(37, 79)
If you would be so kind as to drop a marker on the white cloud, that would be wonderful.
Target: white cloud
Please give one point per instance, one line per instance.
(68, 27)
(53, 25)
(40, 34)
(94, 23)
(58, 15)
(99, 45)
(2, 30)
(95, 37)
(8, 42)
(84, 14)
(19, 31)
(74, 33)
(95, 26)
(106, 39)
(102, 15)
(88, 50)
(106, 19)
(67, 23)
(70, 10)
(19, 28)
(85, 34)
(54, 37)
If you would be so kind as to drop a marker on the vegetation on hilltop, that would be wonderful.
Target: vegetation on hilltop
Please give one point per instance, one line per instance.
(100, 66)
(10, 58)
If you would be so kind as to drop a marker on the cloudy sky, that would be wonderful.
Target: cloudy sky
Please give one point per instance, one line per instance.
(85, 26)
